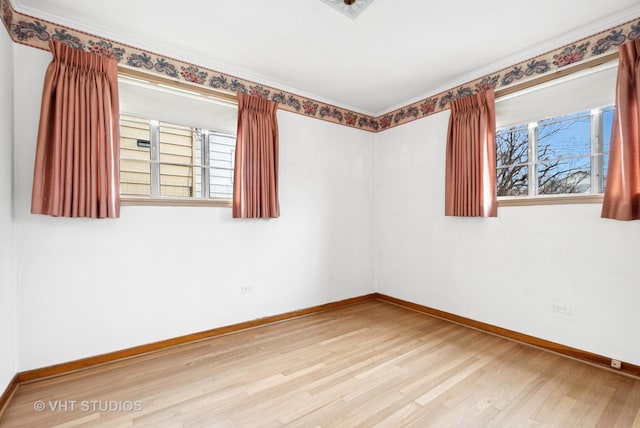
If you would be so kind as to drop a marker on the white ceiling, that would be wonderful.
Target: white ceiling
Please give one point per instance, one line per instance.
(395, 52)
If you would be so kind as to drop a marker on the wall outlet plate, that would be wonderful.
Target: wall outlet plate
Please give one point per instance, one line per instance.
(246, 289)
(561, 308)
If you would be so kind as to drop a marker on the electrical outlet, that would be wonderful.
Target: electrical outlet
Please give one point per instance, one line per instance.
(246, 289)
(616, 364)
(561, 308)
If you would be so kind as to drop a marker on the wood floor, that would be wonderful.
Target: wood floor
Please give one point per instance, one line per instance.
(369, 364)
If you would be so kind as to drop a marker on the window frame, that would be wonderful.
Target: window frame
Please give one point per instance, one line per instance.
(188, 88)
(564, 199)
(155, 177)
(596, 157)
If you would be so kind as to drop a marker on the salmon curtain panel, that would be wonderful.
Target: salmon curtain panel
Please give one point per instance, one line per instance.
(255, 185)
(622, 192)
(470, 177)
(77, 155)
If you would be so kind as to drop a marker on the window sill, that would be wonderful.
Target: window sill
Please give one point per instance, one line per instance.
(173, 202)
(549, 200)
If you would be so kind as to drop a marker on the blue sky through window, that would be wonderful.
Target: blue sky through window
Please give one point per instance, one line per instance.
(564, 157)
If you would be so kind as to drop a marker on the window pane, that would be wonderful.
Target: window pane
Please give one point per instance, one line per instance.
(197, 136)
(564, 137)
(176, 144)
(607, 122)
(512, 145)
(221, 183)
(135, 177)
(605, 170)
(176, 180)
(176, 147)
(221, 158)
(135, 169)
(564, 176)
(512, 181)
(134, 138)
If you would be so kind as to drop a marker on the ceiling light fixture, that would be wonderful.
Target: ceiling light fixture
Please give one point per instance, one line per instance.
(350, 8)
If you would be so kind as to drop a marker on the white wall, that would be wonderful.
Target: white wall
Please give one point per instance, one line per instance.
(8, 320)
(87, 287)
(505, 271)
(94, 286)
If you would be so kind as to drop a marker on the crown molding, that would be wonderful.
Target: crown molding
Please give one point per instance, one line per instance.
(526, 55)
(37, 32)
(561, 59)
(200, 60)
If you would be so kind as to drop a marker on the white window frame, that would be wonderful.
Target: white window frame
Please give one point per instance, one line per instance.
(596, 156)
(189, 91)
(155, 163)
(514, 110)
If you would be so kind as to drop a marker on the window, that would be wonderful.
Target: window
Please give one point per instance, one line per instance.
(561, 155)
(177, 146)
(160, 159)
(553, 138)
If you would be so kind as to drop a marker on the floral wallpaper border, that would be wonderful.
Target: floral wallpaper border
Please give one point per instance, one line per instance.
(589, 47)
(36, 33)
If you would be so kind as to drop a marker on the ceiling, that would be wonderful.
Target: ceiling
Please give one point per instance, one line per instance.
(394, 53)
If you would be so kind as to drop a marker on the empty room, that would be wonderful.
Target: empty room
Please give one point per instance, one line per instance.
(315, 213)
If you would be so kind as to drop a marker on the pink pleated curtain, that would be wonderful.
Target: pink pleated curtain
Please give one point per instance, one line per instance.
(470, 177)
(77, 155)
(255, 186)
(622, 193)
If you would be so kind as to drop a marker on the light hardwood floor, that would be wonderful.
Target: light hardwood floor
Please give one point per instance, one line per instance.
(369, 364)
